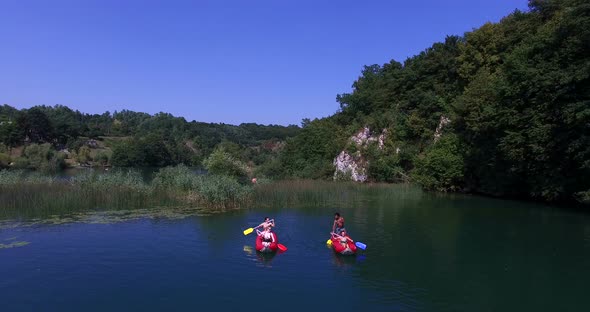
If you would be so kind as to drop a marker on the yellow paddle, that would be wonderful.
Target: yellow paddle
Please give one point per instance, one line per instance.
(250, 230)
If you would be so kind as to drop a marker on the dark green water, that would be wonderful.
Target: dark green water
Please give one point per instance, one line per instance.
(425, 253)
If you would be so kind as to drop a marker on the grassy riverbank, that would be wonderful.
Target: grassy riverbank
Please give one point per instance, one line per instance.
(26, 194)
(38, 194)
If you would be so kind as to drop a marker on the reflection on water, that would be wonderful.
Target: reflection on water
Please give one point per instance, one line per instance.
(343, 261)
(426, 253)
(263, 259)
(13, 244)
(107, 217)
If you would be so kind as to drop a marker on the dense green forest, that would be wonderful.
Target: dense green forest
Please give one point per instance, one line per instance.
(51, 137)
(516, 95)
(503, 110)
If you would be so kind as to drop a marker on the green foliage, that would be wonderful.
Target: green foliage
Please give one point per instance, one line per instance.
(64, 122)
(10, 133)
(441, 167)
(386, 169)
(55, 164)
(270, 169)
(583, 197)
(127, 153)
(4, 160)
(39, 155)
(102, 158)
(117, 180)
(83, 155)
(21, 177)
(149, 151)
(36, 125)
(154, 140)
(517, 93)
(179, 177)
(21, 163)
(220, 162)
(310, 154)
(215, 190)
(75, 144)
(345, 176)
(221, 190)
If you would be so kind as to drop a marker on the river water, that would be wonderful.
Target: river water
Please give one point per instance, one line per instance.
(425, 252)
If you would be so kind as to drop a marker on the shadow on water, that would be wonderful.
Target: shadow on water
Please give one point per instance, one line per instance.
(344, 260)
(263, 258)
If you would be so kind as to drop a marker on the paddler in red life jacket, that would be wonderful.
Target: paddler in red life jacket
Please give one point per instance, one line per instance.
(338, 225)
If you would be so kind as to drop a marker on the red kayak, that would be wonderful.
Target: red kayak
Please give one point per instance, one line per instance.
(269, 244)
(342, 246)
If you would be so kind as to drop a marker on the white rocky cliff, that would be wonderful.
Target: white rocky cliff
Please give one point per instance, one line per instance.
(354, 166)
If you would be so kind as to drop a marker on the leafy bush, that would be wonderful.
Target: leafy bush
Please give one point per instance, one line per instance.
(21, 163)
(4, 160)
(221, 162)
(39, 155)
(55, 164)
(221, 190)
(102, 158)
(441, 167)
(180, 178)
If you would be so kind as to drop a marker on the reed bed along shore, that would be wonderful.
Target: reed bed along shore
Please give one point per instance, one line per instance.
(32, 195)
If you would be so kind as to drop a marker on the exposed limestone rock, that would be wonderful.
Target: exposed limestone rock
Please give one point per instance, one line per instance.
(362, 137)
(441, 124)
(354, 167)
(382, 138)
(350, 167)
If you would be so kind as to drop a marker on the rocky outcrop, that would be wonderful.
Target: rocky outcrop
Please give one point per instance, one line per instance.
(364, 137)
(352, 165)
(441, 124)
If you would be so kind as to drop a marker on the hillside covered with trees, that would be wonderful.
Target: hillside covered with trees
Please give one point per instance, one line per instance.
(513, 97)
(503, 110)
(50, 137)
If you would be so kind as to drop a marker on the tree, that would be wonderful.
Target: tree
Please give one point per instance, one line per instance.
(221, 162)
(441, 167)
(36, 126)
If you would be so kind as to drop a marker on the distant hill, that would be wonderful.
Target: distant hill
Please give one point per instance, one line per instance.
(130, 139)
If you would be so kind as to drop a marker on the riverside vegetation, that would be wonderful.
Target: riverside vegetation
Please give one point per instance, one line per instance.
(503, 110)
(173, 192)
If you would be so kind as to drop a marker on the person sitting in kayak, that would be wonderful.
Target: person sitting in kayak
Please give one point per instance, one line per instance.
(268, 224)
(338, 225)
(267, 237)
(343, 239)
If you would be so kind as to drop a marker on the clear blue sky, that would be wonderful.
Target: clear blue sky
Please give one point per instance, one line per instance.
(270, 62)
